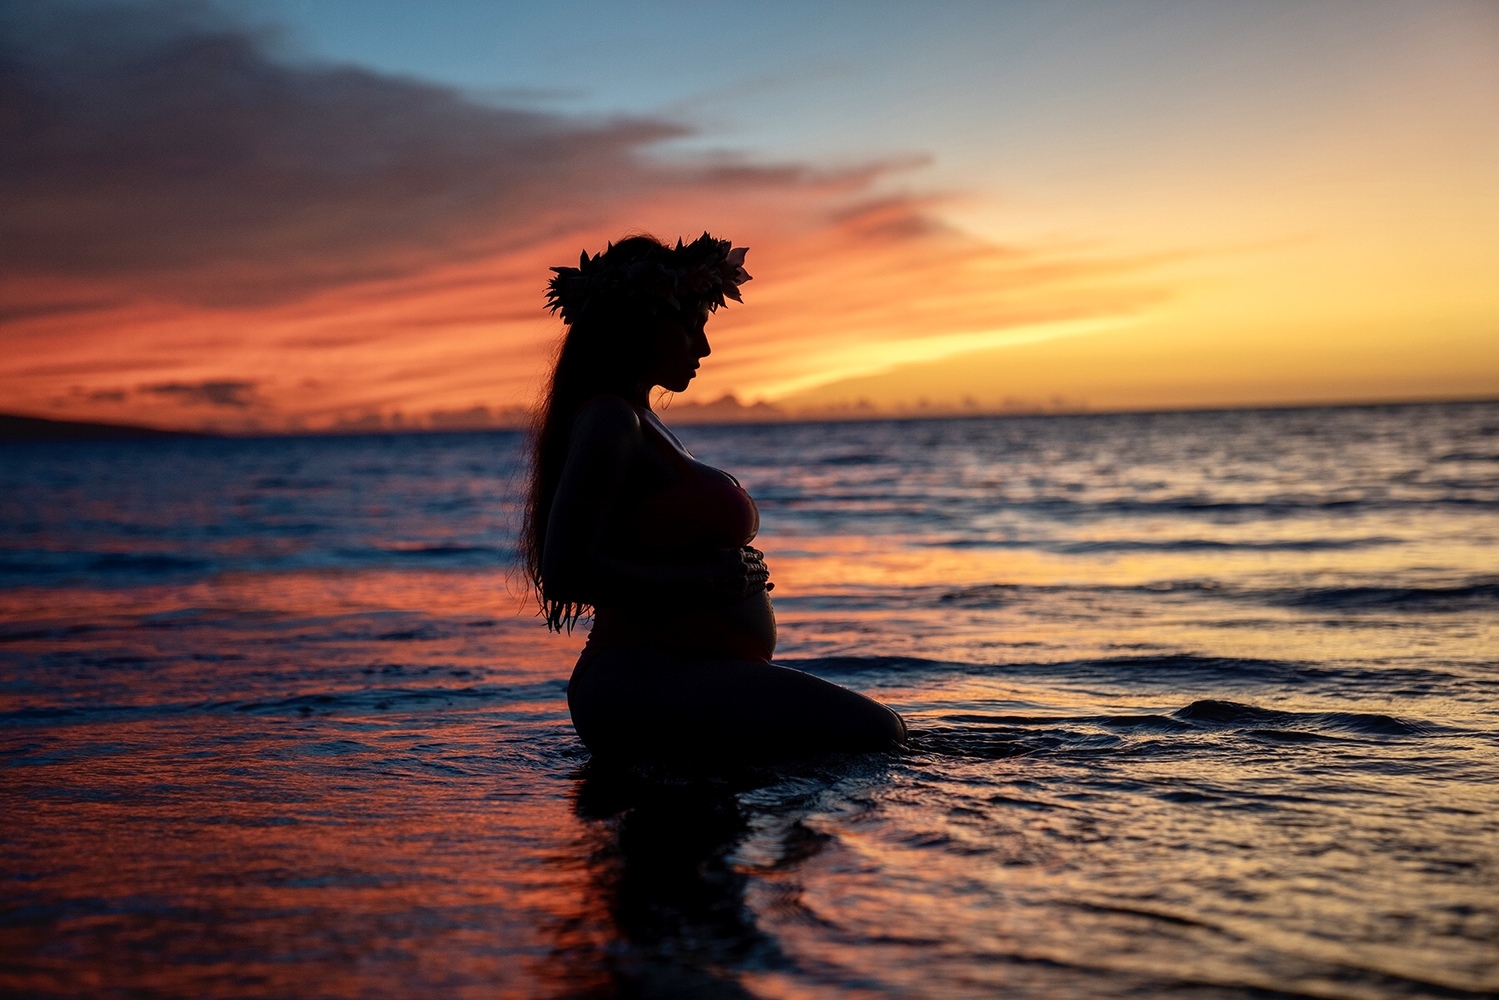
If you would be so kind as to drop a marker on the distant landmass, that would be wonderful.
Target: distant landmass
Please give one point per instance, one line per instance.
(725, 410)
(14, 427)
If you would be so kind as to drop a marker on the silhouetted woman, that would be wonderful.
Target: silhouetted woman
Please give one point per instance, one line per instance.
(622, 520)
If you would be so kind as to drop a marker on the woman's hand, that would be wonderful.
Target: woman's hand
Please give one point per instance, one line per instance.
(739, 573)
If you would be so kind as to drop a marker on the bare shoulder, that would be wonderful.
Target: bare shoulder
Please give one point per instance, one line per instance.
(608, 411)
(605, 423)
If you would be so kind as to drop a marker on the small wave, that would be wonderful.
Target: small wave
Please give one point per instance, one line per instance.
(29, 633)
(867, 458)
(987, 595)
(1175, 667)
(51, 569)
(1458, 597)
(1290, 736)
(875, 664)
(1170, 667)
(366, 700)
(1157, 670)
(88, 714)
(954, 741)
(1469, 456)
(997, 736)
(1146, 723)
(993, 736)
(363, 701)
(145, 563)
(1179, 667)
(1235, 511)
(1214, 545)
(993, 595)
(39, 567)
(1472, 595)
(1171, 545)
(1229, 713)
(441, 550)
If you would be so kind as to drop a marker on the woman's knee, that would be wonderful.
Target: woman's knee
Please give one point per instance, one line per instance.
(866, 722)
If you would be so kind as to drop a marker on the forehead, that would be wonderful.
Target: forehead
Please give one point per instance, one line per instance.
(694, 312)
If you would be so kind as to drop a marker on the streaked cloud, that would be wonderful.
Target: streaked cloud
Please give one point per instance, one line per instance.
(221, 392)
(336, 246)
(150, 144)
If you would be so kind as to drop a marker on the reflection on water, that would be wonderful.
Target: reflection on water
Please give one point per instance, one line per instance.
(1203, 704)
(663, 870)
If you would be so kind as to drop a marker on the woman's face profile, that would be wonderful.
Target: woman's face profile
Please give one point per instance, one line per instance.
(680, 345)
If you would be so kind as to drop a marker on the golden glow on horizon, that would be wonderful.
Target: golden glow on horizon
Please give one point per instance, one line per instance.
(833, 317)
(854, 362)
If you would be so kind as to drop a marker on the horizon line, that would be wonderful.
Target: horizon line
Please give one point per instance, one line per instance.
(51, 429)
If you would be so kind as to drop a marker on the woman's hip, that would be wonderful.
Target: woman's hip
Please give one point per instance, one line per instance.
(650, 699)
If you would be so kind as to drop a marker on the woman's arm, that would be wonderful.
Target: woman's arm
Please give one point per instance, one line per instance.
(578, 564)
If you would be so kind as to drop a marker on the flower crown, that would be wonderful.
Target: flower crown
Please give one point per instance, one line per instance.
(706, 270)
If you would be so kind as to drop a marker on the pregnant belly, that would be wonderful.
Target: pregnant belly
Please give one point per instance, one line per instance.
(740, 630)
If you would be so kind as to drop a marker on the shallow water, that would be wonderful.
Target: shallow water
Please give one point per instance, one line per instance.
(1202, 703)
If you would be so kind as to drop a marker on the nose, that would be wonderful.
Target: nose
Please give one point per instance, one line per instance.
(700, 344)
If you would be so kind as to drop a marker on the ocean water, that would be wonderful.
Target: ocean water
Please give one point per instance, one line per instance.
(1203, 705)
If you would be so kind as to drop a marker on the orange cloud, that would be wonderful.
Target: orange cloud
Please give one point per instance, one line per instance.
(194, 234)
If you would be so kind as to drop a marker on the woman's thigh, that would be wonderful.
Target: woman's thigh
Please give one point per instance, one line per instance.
(645, 701)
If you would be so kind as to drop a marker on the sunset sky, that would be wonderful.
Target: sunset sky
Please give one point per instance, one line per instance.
(279, 215)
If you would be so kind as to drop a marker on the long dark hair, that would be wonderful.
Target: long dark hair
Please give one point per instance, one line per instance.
(603, 352)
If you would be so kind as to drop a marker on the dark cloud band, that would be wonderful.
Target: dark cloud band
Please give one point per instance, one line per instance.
(236, 394)
(152, 143)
